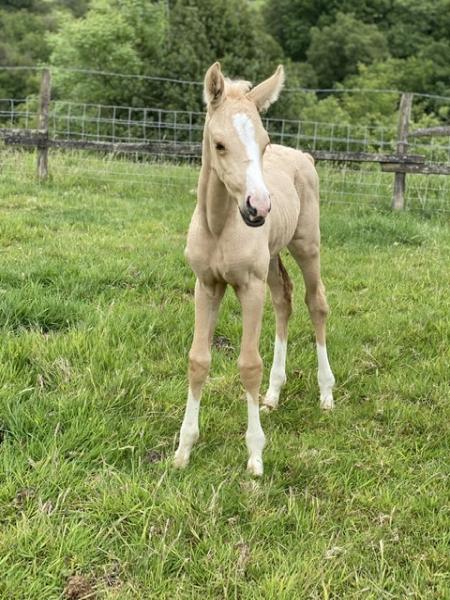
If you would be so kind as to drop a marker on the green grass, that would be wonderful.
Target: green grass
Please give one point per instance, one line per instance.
(96, 316)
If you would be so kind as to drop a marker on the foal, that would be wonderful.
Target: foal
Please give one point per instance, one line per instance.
(254, 199)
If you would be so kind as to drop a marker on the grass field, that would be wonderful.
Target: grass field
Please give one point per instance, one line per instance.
(96, 314)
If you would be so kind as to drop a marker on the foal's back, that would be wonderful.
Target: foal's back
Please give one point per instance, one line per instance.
(293, 184)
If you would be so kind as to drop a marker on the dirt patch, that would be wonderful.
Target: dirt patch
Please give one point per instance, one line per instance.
(112, 576)
(153, 456)
(221, 342)
(78, 587)
(23, 496)
(243, 556)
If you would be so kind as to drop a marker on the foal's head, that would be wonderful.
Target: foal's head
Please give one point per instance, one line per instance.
(237, 139)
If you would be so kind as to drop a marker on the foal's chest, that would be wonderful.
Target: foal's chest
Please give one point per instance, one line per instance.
(229, 259)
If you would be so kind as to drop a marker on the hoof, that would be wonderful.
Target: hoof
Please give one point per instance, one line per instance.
(267, 408)
(270, 403)
(255, 466)
(326, 401)
(181, 460)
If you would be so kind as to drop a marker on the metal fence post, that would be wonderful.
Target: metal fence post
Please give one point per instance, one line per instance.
(44, 101)
(398, 199)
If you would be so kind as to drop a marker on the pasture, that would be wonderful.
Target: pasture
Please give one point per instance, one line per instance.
(96, 321)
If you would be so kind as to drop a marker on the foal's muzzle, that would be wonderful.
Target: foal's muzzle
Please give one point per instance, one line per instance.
(251, 221)
(250, 214)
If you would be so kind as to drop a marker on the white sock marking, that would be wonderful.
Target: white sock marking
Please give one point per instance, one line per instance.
(277, 373)
(325, 378)
(189, 430)
(254, 437)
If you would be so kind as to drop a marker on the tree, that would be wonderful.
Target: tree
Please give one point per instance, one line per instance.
(290, 22)
(24, 25)
(140, 37)
(203, 31)
(420, 74)
(337, 49)
(122, 36)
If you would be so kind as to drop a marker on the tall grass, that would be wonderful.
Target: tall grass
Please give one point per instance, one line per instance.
(96, 316)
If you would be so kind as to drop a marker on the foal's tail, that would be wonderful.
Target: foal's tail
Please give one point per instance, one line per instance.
(287, 283)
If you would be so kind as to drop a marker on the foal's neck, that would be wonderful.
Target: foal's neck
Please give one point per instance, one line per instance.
(213, 198)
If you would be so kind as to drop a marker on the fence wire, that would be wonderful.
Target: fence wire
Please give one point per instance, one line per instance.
(351, 184)
(346, 185)
(119, 124)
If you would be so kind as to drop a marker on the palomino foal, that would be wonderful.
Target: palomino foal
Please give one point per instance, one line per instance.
(254, 199)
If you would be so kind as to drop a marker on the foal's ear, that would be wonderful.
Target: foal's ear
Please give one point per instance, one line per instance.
(267, 92)
(214, 86)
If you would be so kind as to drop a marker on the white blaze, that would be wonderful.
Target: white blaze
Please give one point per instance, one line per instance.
(246, 132)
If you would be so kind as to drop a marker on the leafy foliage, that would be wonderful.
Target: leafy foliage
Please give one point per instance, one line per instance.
(375, 44)
(22, 43)
(142, 37)
(117, 36)
(337, 49)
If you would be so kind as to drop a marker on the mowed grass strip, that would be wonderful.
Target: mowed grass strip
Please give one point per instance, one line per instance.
(96, 316)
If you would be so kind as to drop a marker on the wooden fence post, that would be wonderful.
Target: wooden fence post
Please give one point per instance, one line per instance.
(398, 199)
(44, 101)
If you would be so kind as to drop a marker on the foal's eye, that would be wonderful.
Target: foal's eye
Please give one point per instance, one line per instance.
(220, 147)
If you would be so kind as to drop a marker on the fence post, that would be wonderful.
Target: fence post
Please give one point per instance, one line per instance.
(398, 199)
(44, 101)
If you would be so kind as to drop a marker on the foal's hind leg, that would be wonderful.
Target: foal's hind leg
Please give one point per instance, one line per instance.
(307, 254)
(281, 290)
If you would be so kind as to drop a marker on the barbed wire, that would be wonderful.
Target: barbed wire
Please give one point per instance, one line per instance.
(337, 90)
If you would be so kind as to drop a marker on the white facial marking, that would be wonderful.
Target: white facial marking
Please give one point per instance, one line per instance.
(246, 132)
(325, 378)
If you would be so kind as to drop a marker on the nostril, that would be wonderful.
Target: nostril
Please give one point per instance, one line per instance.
(251, 209)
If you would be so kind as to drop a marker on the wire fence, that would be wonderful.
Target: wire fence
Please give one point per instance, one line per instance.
(355, 184)
(341, 184)
(176, 80)
(109, 123)
(116, 124)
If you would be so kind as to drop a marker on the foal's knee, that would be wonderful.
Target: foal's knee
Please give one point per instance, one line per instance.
(250, 369)
(283, 305)
(317, 304)
(308, 250)
(198, 367)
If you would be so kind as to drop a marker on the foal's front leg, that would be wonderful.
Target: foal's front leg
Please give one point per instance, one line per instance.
(251, 297)
(207, 302)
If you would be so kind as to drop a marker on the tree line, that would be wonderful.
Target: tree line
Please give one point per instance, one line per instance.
(328, 44)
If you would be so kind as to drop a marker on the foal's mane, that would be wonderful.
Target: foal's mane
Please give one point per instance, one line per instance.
(236, 88)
